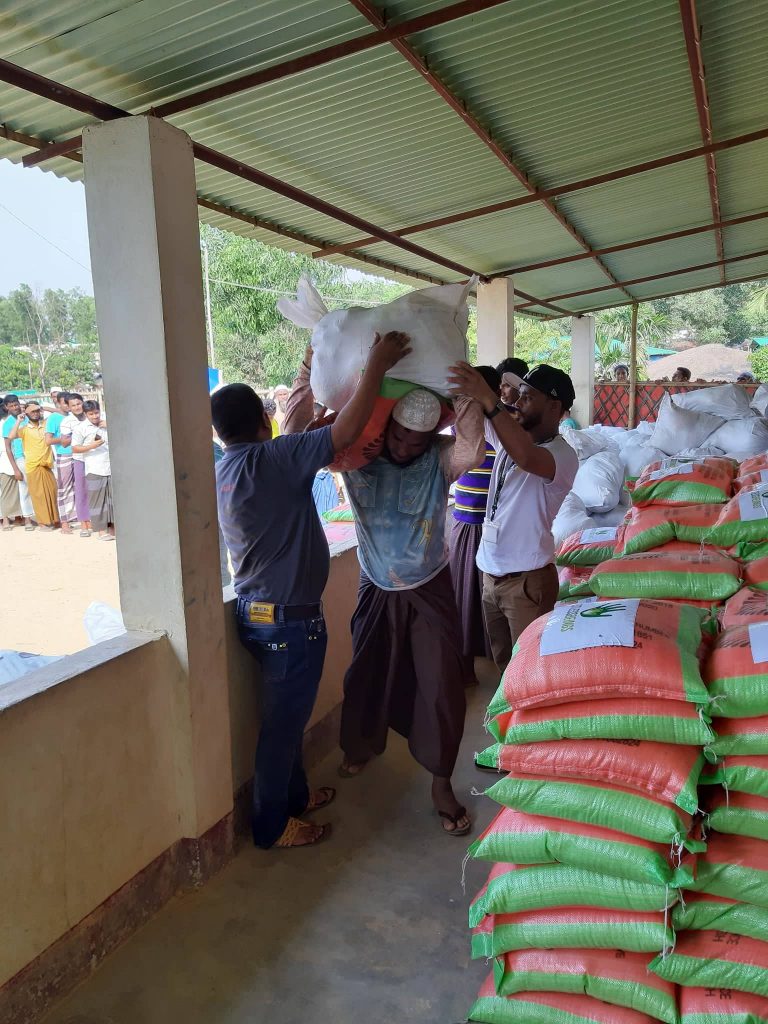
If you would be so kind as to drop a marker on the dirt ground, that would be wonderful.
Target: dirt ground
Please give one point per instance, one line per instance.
(50, 580)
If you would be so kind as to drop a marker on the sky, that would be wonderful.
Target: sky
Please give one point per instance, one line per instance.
(50, 248)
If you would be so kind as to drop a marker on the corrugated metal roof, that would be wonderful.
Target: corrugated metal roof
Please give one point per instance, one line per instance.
(568, 90)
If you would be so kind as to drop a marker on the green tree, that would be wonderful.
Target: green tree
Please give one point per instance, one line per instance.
(15, 367)
(759, 362)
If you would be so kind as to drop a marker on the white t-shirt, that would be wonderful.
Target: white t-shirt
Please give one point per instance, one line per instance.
(96, 460)
(67, 426)
(520, 536)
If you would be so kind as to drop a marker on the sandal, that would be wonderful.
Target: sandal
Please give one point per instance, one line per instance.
(454, 820)
(344, 772)
(320, 798)
(293, 831)
(30, 527)
(85, 533)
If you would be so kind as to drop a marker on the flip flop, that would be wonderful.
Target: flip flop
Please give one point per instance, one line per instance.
(320, 798)
(293, 830)
(454, 820)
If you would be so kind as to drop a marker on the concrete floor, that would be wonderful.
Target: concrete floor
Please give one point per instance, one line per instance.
(368, 928)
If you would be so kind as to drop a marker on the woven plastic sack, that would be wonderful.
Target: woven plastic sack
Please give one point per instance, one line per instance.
(704, 576)
(677, 428)
(611, 975)
(755, 479)
(519, 838)
(577, 927)
(756, 574)
(721, 1006)
(646, 528)
(662, 662)
(434, 318)
(754, 464)
(684, 482)
(736, 867)
(716, 959)
(745, 607)
(745, 436)
(744, 517)
(599, 481)
(548, 1008)
(740, 814)
(660, 770)
(574, 581)
(588, 547)
(739, 736)
(736, 672)
(594, 803)
(740, 774)
(749, 550)
(614, 719)
(701, 911)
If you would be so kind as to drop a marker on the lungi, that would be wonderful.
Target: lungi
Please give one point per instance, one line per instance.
(467, 579)
(42, 491)
(65, 479)
(81, 492)
(406, 674)
(100, 511)
(26, 502)
(10, 503)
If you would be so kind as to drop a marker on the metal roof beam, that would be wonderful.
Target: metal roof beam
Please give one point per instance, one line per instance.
(657, 277)
(638, 244)
(557, 190)
(458, 106)
(692, 34)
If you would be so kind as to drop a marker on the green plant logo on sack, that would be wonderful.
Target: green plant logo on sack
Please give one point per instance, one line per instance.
(589, 623)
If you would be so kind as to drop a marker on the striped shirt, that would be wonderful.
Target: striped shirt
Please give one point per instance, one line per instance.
(471, 494)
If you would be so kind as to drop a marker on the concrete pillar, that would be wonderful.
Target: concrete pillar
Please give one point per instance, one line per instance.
(145, 253)
(495, 321)
(583, 368)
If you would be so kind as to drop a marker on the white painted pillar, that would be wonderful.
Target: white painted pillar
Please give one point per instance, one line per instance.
(145, 253)
(583, 368)
(495, 321)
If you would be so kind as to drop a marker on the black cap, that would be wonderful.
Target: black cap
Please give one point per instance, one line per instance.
(552, 382)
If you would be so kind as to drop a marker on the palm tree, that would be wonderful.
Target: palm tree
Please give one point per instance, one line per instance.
(758, 301)
(616, 323)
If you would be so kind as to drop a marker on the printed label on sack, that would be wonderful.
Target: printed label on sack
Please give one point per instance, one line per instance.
(590, 623)
(758, 641)
(676, 469)
(598, 533)
(753, 505)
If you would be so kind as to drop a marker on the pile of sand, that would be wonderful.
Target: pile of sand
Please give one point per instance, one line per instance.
(708, 362)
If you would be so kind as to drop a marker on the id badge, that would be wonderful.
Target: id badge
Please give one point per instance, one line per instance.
(263, 614)
(490, 532)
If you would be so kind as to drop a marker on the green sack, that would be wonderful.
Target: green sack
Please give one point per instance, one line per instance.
(721, 1006)
(740, 814)
(747, 774)
(701, 911)
(548, 1008)
(739, 736)
(680, 576)
(735, 867)
(715, 959)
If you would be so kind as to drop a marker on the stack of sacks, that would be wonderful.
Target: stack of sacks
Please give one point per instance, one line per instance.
(600, 722)
(577, 556)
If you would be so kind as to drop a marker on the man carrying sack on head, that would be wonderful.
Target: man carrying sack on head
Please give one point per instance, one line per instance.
(534, 470)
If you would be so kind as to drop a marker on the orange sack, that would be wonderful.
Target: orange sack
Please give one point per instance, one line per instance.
(746, 606)
(684, 482)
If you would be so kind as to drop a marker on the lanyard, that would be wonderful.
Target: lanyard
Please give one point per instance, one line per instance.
(505, 467)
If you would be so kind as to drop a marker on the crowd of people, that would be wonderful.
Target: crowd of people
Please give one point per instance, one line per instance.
(682, 375)
(55, 471)
(428, 603)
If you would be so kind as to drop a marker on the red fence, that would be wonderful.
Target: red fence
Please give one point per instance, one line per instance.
(611, 405)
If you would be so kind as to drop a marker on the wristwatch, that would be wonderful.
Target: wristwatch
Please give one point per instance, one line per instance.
(494, 411)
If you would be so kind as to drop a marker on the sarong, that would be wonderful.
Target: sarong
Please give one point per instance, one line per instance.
(42, 491)
(100, 510)
(406, 674)
(467, 579)
(81, 492)
(26, 502)
(65, 479)
(10, 503)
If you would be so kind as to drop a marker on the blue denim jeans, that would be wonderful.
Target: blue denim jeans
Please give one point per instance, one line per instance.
(291, 656)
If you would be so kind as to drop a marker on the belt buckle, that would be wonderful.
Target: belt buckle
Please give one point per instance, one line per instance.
(261, 613)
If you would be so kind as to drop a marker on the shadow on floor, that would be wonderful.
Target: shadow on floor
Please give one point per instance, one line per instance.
(368, 928)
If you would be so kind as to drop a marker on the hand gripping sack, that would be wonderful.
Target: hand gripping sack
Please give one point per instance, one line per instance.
(716, 960)
(721, 1006)
(548, 1008)
(739, 736)
(593, 803)
(588, 547)
(597, 650)
(739, 774)
(513, 888)
(739, 814)
(745, 607)
(735, 867)
(574, 927)
(701, 911)
(663, 721)
(684, 482)
(660, 770)
(611, 975)
(702, 576)
(736, 672)
(519, 838)
(434, 318)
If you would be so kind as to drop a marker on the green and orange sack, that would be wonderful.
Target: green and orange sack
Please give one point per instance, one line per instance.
(684, 482)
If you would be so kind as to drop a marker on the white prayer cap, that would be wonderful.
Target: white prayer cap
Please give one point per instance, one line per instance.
(418, 410)
(512, 380)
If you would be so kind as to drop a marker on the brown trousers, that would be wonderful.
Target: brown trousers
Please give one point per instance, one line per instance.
(510, 603)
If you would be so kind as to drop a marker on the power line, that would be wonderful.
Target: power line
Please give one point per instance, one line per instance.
(47, 240)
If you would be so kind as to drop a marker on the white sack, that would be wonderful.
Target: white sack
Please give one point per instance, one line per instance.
(588, 442)
(760, 400)
(730, 401)
(678, 428)
(613, 518)
(434, 318)
(15, 664)
(102, 622)
(745, 437)
(599, 481)
(636, 455)
(572, 518)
